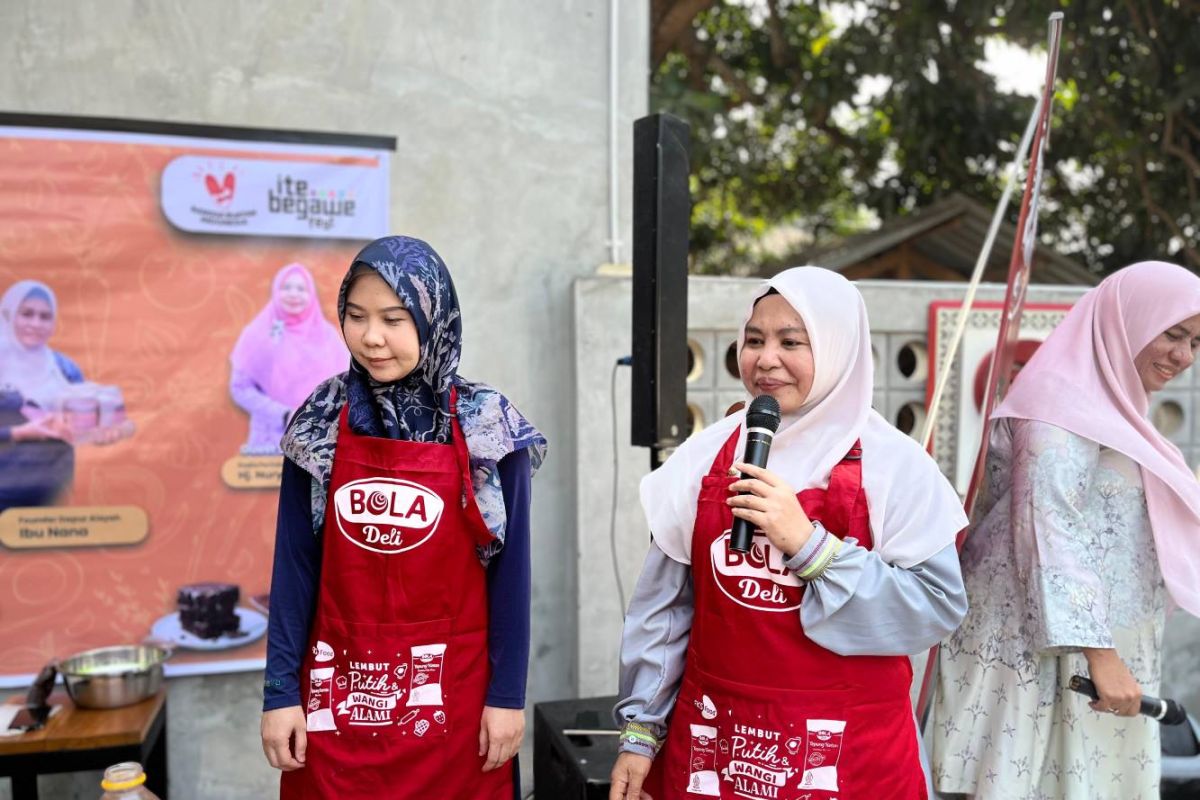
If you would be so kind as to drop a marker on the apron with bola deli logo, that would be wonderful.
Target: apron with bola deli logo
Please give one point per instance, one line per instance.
(764, 712)
(395, 680)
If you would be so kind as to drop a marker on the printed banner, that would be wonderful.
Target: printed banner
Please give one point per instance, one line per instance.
(256, 197)
(166, 302)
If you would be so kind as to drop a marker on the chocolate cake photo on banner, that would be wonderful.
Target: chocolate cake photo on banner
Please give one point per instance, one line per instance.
(209, 617)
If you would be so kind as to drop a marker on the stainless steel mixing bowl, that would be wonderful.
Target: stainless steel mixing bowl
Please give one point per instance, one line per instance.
(111, 677)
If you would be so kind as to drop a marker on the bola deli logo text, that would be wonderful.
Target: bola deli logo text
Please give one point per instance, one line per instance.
(386, 515)
(755, 579)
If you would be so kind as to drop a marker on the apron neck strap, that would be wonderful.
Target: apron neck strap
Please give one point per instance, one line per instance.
(459, 442)
(845, 488)
(720, 465)
(846, 475)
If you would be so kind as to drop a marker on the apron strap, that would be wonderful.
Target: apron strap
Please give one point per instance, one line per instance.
(720, 465)
(459, 442)
(846, 503)
(483, 535)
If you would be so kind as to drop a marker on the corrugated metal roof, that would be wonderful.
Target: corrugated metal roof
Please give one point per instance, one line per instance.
(951, 233)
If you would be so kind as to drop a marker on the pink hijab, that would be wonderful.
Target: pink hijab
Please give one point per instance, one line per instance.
(287, 355)
(1083, 379)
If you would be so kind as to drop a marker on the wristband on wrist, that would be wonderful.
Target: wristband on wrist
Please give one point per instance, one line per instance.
(822, 556)
(638, 737)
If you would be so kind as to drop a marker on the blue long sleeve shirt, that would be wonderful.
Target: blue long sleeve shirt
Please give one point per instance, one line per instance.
(297, 572)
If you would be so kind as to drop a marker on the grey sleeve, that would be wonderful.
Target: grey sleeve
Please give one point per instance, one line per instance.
(861, 605)
(654, 642)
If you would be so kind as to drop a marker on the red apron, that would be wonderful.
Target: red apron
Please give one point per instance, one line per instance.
(397, 672)
(762, 710)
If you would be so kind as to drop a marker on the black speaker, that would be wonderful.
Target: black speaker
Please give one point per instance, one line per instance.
(661, 211)
(573, 766)
(1181, 761)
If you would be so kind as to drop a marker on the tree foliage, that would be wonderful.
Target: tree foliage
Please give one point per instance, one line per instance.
(787, 134)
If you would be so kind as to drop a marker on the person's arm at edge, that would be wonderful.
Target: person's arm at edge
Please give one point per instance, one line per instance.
(654, 643)
(294, 579)
(654, 646)
(502, 726)
(508, 581)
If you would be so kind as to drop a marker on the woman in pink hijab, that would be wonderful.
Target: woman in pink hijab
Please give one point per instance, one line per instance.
(1087, 529)
(281, 356)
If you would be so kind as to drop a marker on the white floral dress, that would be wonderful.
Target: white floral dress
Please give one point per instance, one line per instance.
(1063, 559)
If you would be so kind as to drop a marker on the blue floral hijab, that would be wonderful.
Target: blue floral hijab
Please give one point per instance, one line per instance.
(416, 407)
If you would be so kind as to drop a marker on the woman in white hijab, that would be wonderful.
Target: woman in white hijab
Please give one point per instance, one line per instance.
(36, 459)
(785, 669)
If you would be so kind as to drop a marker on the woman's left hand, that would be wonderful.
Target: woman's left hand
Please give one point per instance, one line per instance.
(500, 734)
(767, 502)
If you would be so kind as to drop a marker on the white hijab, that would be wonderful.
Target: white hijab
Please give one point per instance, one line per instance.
(32, 371)
(915, 513)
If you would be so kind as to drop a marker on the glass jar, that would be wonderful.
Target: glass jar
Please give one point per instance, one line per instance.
(81, 410)
(112, 406)
(125, 781)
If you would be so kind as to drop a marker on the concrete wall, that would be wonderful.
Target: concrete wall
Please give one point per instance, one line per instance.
(500, 108)
(898, 314)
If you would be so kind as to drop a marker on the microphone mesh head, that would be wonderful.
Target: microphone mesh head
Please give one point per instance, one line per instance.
(763, 413)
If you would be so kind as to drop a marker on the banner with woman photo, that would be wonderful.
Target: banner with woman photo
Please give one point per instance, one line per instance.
(167, 299)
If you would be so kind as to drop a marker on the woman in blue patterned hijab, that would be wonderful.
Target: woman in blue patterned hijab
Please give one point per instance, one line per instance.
(402, 325)
(416, 407)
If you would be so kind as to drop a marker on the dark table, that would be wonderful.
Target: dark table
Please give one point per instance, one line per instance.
(76, 739)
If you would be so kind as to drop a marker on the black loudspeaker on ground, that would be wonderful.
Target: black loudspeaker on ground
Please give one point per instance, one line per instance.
(573, 766)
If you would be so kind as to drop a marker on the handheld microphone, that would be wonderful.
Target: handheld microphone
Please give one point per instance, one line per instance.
(1168, 712)
(762, 420)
